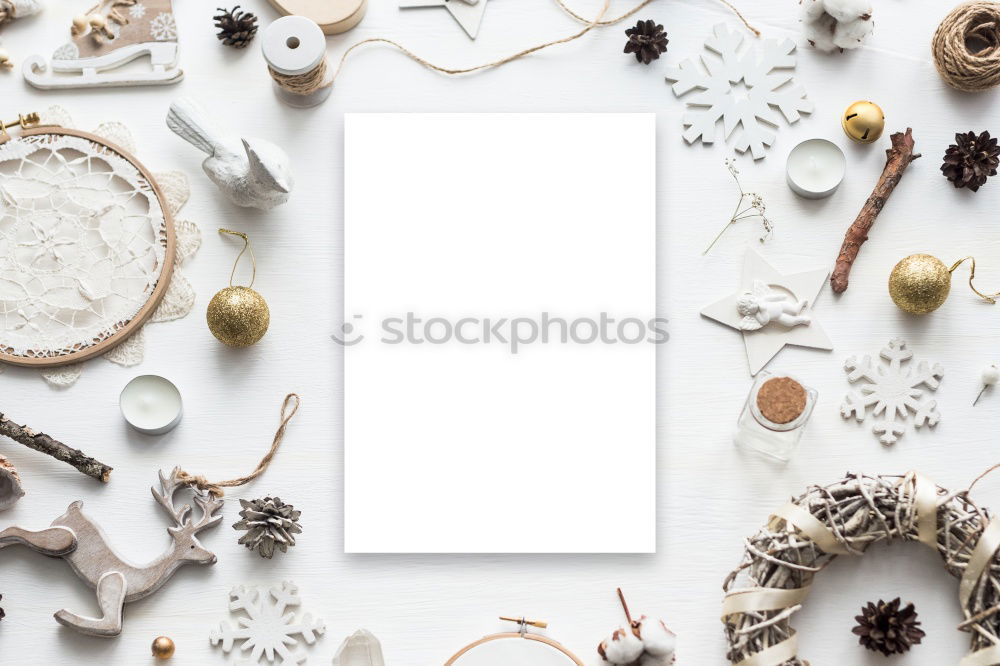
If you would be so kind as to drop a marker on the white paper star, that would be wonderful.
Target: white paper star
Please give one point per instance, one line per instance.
(468, 13)
(763, 344)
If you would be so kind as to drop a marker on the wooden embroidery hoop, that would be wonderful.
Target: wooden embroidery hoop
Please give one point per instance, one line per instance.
(521, 634)
(30, 126)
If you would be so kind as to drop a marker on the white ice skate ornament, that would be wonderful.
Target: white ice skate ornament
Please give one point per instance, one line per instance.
(468, 13)
(764, 305)
(251, 172)
(764, 69)
(141, 28)
(772, 310)
(267, 625)
(894, 391)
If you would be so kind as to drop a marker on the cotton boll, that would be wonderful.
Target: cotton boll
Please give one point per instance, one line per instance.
(622, 647)
(657, 639)
(820, 33)
(851, 34)
(813, 9)
(848, 10)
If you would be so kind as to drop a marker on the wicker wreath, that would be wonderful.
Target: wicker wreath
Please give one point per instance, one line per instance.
(845, 518)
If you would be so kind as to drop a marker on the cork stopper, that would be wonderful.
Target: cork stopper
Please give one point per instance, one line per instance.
(781, 400)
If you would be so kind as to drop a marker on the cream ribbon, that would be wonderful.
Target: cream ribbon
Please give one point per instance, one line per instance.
(986, 657)
(925, 499)
(762, 599)
(812, 527)
(776, 654)
(978, 561)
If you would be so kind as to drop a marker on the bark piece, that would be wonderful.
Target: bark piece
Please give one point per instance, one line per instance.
(39, 441)
(898, 157)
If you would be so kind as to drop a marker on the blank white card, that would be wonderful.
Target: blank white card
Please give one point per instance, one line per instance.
(464, 235)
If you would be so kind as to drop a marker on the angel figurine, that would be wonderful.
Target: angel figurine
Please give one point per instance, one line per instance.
(764, 305)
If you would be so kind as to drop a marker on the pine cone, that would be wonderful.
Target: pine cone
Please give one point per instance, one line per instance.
(1, 610)
(885, 627)
(236, 28)
(269, 523)
(647, 41)
(971, 160)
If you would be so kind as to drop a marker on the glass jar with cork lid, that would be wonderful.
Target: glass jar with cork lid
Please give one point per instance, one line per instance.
(774, 416)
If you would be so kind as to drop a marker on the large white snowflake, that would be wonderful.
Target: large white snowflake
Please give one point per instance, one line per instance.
(894, 390)
(742, 87)
(265, 628)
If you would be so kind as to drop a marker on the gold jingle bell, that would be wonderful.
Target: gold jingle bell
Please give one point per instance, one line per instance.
(238, 316)
(863, 121)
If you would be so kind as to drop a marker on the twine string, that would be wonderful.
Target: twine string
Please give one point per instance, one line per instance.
(313, 80)
(288, 409)
(113, 15)
(966, 46)
(989, 298)
(246, 246)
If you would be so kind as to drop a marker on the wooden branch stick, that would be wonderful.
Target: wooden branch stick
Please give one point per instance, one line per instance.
(39, 441)
(898, 157)
(628, 615)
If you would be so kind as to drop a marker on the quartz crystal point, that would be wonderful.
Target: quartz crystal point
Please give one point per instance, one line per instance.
(359, 649)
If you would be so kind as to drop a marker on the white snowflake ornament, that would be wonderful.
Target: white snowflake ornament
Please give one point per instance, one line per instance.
(742, 87)
(894, 390)
(267, 627)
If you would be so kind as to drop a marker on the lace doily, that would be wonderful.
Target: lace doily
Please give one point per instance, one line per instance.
(67, 277)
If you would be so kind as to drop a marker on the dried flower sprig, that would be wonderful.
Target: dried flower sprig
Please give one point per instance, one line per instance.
(750, 204)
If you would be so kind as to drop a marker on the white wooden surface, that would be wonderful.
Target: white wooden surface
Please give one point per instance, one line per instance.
(710, 496)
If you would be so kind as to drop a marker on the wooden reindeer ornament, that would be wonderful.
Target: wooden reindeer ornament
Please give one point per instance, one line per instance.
(81, 542)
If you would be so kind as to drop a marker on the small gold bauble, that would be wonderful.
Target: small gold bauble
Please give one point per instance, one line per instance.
(919, 284)
(4, 57)
(97, 21)
(163, 647)
(863, 121)
(80, 22)
(238, 316)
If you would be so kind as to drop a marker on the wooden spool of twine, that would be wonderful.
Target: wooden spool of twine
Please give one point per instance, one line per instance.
(966, 46)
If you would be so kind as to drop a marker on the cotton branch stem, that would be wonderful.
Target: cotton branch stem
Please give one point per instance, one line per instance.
(39, 441)
(898, 157)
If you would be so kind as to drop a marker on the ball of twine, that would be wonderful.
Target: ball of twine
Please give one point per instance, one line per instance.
(966, 46)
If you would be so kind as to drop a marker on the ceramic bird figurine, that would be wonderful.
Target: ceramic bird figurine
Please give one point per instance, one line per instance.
(251, 172)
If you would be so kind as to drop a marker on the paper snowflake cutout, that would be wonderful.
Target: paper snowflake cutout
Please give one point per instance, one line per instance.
(741, 87)
(266, 629)
(894, 390)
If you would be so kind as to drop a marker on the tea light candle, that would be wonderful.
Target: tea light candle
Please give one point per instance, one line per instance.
(151, 404)
(815, 168)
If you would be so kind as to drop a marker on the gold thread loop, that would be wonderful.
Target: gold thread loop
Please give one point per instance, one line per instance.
(989, 298)
(246, 246)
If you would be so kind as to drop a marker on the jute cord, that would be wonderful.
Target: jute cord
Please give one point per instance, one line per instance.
(966, 46)
(304, 84)
(288, 409)
(803, 537)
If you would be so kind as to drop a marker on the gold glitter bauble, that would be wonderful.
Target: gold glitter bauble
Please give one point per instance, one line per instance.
(863, 121)
(163, 647)
(919, 284)
(238, 316)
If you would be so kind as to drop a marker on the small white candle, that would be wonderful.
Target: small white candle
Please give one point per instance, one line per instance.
(151, 404)
(815, 168)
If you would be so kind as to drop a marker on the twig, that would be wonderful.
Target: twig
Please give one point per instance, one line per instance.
(628, 615)
(898, 157)
(39, 441)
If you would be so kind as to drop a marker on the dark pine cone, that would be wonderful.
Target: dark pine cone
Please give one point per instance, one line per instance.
(647, 41)
(236, 28)
(1, 610)
(971, 160)
(270, 524)
(885, 627)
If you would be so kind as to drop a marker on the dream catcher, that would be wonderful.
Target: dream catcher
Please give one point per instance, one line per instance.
(515, 647)
(88, 247)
